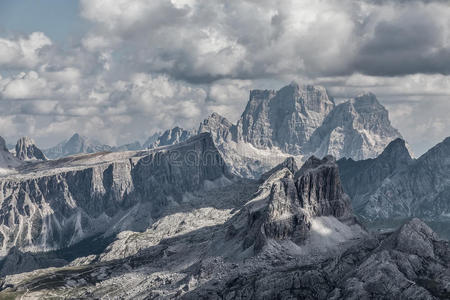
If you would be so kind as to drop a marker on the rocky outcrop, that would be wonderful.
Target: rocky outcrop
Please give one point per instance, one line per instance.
(320, 190)
(42, 211)
(285, 118)
(219, 127)
(26, 149)
(291, 199)
(358, 129)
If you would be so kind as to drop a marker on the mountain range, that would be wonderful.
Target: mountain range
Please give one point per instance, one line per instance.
(281, 205)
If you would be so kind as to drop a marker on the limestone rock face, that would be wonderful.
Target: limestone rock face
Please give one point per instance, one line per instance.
(358, 129)
(361, 178)
(220, 128)
(300, 121)
(292, 199)
(395, 186)
(27, 150)
(285, 118)
(44, 210)
(7, 160)
(320, 190)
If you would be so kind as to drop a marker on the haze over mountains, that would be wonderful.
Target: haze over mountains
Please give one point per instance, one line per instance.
(256, 209)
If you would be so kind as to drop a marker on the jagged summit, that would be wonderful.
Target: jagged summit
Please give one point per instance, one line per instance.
(7, 160)
(288, 163)
(171, 137)
(396, 152)
(285, 118)
(292, 199)
(76, 144)
(359, 128)
(26, 149)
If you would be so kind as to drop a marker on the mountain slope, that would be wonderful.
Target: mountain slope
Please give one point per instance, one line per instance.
(358, 129)
(362, 178)
(285, 118)
(281, 241)
(26, 149)
(56, 204)
(77, 144)
(395, 186)
(7, 161)
(301, 121)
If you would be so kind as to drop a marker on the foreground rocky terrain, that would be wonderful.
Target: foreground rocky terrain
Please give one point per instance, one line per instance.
(290, 235)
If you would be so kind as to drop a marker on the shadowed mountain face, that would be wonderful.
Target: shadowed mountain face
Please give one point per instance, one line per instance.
(395, 186)
(27, 150)
(7, 160)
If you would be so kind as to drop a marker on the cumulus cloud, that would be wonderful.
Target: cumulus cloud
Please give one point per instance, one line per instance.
(203, 41)
(23, 51)
(144, 66)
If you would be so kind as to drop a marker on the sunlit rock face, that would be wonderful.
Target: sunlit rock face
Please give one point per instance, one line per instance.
(293, 199)
(359, 128)
(286, 118)
(60, 204)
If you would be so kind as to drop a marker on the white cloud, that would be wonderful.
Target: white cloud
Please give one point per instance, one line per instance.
(24, 86)
(23, 52)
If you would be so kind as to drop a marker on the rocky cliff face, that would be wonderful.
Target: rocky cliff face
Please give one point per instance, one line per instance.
(358, 129)
(291, 199)
(285, 118)
(362, 178)
(222, 130)
(26, 149)
(51, 208)
(395, 186)
(7, 160)
(301, 121)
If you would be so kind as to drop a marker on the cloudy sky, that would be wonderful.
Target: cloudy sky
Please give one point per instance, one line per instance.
(119, 70)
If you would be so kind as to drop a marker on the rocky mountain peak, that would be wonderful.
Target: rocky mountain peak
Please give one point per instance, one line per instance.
(320, 190)
(414, 237)
(289, 163)
(171, 137)
(396, 151)
(220, 128)
(285, 118)
(292, 201)
(26, 149)
(3, 147)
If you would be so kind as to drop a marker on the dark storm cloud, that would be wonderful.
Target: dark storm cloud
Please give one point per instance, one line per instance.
(411, 43)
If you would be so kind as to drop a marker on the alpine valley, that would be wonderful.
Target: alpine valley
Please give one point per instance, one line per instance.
(301, 198)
